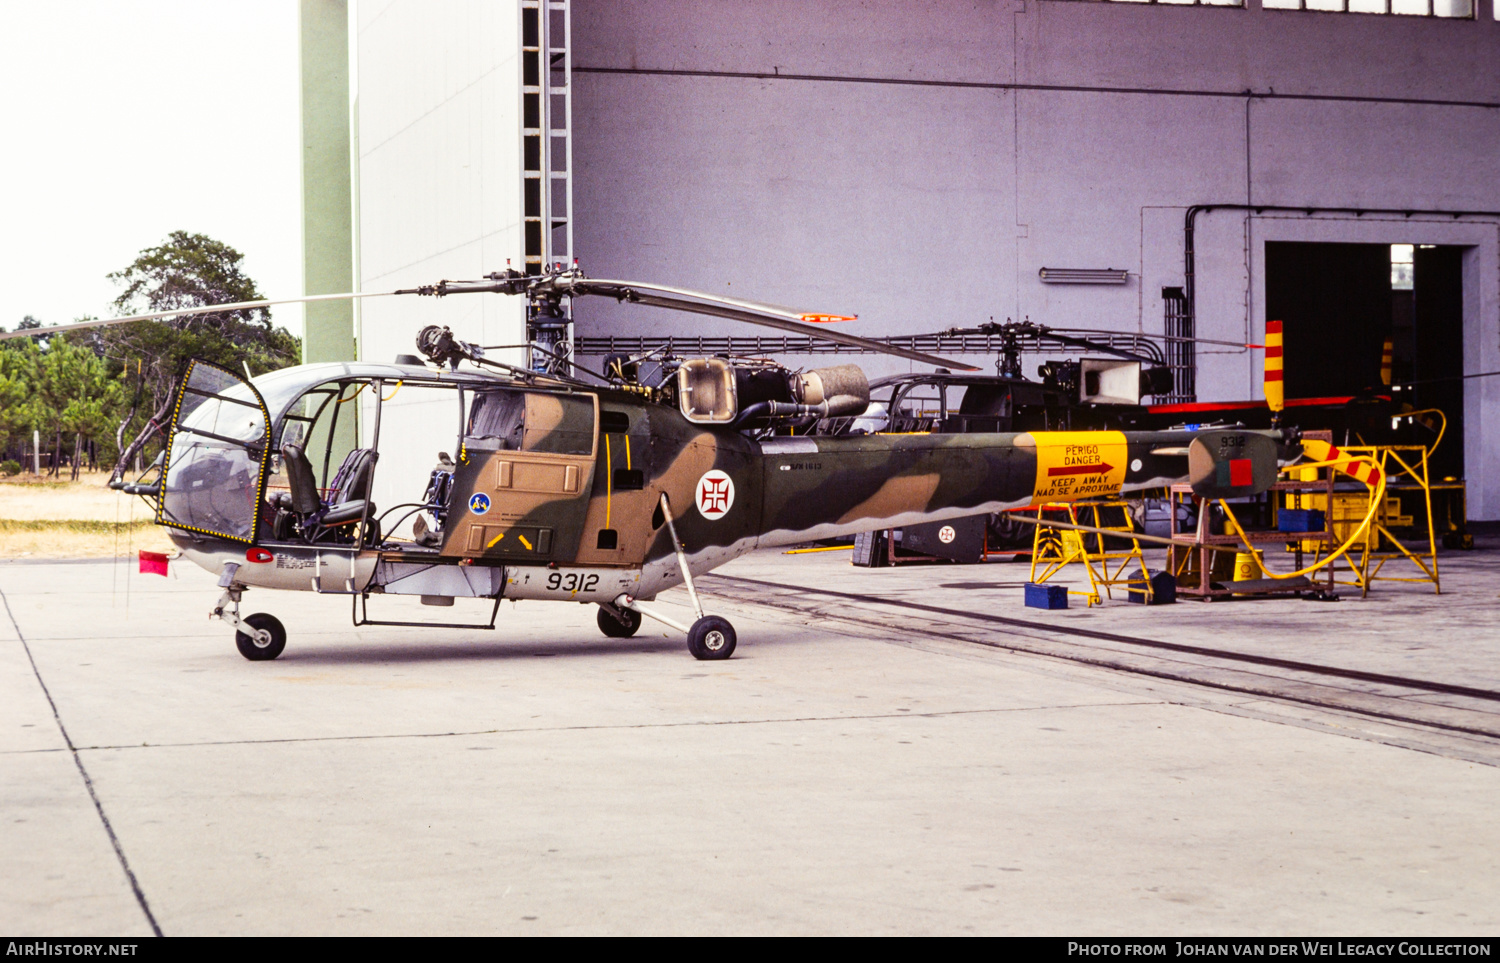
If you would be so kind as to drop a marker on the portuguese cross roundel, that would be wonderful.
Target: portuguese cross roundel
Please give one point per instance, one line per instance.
(715, 494)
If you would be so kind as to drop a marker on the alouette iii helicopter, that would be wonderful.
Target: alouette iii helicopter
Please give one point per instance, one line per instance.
(602, 493)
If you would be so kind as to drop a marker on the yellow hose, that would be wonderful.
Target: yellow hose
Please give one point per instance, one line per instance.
(361, 387)
(1429, 411)
(1377, 493)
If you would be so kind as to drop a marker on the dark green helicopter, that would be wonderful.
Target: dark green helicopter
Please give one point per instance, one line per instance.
(603, 492)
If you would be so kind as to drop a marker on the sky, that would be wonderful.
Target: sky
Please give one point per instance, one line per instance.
(125, 121)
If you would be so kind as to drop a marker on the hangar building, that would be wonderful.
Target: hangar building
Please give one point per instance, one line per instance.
(1081, 163)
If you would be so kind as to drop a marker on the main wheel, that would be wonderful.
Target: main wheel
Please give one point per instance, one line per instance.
(616, 629)
(711, 638)
(253, 649)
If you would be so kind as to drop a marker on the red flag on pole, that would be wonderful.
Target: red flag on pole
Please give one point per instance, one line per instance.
(153, 563)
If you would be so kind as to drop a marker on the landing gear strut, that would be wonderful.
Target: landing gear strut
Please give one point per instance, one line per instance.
(259, 637)
(710, 637)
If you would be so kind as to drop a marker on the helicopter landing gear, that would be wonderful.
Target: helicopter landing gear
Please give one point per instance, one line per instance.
(259, 637)
(267, 642)
(617, 622)
(711, 638)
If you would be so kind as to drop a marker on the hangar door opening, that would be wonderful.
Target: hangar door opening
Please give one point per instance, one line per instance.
(1340, 302)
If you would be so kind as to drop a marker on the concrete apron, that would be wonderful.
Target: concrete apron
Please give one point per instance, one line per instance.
(838, 775)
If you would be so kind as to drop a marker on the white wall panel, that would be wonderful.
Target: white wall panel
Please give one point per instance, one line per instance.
(1377, 155)
(834, 197)
(1293, 52)
(440, 196)
(896, 39)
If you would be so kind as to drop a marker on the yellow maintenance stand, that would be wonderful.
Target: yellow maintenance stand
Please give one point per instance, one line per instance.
(1052, 549)
(1405, 469)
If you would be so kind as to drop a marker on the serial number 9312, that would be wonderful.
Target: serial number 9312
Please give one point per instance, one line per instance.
(572, 582)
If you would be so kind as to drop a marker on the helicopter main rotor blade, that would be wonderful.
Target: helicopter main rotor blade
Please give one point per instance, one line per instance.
(735, 309)
(656, 295)
(1096, 346)
(184, 312)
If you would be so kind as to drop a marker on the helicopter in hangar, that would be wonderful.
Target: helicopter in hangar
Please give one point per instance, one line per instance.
(606, 492)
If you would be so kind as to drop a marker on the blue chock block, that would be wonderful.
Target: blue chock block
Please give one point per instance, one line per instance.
(1299, 520)
(1046, 596)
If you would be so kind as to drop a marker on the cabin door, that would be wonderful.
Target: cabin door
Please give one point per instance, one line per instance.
(521, 489)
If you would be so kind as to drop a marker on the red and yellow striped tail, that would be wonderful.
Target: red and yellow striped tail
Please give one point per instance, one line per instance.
(1359, 469)
(1275, 392)
(1385, 362)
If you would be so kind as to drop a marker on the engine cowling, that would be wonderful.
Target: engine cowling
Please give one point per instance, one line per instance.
(718, 391)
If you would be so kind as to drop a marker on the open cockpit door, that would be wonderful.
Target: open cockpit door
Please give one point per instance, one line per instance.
(215, 468)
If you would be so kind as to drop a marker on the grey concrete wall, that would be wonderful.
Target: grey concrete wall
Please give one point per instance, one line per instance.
(916, 164)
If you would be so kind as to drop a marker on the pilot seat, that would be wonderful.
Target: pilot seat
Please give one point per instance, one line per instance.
(303, 513)
(435, 502)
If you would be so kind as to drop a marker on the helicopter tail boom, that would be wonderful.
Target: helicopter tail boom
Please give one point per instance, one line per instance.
(828, 487)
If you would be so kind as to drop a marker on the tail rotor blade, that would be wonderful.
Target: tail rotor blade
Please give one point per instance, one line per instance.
(1275, 390)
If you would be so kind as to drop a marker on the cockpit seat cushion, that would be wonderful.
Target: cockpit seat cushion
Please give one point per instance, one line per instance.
(351, 489)
(351, 511)
(348, 499)
(353, 479)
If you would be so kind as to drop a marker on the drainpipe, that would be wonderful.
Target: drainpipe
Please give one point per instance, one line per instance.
(1189, 281)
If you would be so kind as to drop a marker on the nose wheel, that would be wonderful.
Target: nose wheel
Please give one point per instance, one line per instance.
(267, 642)
(259, 637)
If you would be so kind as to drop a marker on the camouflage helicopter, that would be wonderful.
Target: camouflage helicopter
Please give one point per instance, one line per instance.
(605, 492)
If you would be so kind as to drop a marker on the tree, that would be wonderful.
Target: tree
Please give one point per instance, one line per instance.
(71, 397)
(60, 386)
(19, 410)
(85, 397)
(188, 270)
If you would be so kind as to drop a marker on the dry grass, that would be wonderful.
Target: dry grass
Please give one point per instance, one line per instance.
(40, 518)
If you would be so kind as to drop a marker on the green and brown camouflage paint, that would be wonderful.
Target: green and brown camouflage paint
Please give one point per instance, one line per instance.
(579, 487)
(574, 510)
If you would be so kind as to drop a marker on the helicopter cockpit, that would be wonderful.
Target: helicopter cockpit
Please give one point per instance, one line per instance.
(292, 456)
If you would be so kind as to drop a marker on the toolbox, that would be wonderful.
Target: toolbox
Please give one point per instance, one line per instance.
(1046, 596)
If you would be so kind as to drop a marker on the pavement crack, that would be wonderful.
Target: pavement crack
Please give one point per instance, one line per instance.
(88, 782)
(466, 733)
